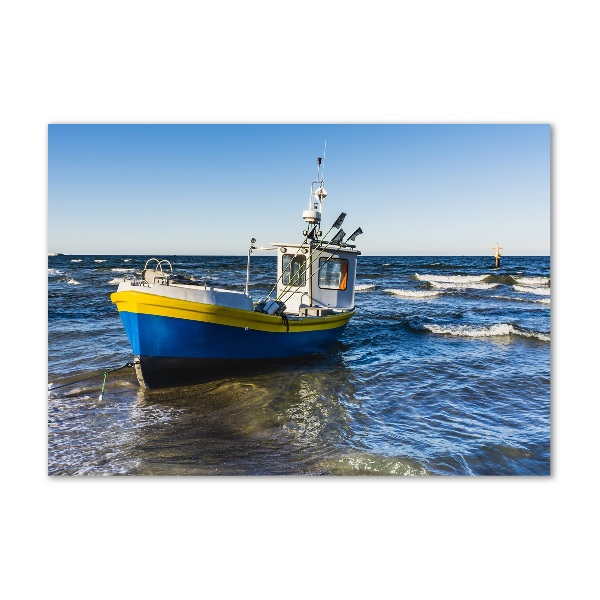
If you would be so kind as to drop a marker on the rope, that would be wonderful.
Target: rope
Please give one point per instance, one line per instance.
(128, 364)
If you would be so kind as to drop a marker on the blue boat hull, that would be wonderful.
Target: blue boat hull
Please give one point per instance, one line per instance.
(156, 336)
(177, 342)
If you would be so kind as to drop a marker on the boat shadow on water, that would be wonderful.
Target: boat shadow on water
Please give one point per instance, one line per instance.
(292, 417)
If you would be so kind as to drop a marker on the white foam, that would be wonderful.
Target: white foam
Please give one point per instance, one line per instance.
(414, 293)
(532, 290)
(53, 272)
(76, 260)
(463, 285)
(364, 286)
(74, 282)
(99, 260)
(498, 329)
(122, 270)
(451, 278)
(513, 299)
(533, 280)
(127, 260)
(117, 280)
(535, 334)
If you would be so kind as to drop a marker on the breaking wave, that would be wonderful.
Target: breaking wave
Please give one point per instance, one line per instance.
(76, 260)
(414, 293)
(74, 282)
(513, 299)
(498, 329)
(116, 280)
(54, 272)
(96, 260)
(364, 286)
(450, 278)
(532, 290)
(463, 285)
(533, 280)
(122, 270)
(506, 279)
(456, 281)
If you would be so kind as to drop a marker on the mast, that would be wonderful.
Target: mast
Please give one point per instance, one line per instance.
(315, 209)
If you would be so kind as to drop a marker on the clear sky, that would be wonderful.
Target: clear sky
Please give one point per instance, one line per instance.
(207, 189)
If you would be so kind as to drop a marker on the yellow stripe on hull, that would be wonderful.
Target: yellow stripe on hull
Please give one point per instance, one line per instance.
(150, 304)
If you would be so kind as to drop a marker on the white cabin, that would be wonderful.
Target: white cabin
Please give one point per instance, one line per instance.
(315, 277)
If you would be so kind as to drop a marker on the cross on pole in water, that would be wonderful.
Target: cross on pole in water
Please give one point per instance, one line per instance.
(497, 254)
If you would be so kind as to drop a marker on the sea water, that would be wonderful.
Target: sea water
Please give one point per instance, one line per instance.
(444, 370)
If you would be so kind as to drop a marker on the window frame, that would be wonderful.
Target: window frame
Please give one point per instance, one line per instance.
(288, 273)
(343, 273)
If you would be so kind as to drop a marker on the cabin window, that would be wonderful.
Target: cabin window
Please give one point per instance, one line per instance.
(333, 273)
(294, 274)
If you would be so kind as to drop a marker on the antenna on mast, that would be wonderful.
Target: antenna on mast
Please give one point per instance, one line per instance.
(313, 215)
(321, 165)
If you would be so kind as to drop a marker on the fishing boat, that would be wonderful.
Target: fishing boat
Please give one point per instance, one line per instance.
(182, 330)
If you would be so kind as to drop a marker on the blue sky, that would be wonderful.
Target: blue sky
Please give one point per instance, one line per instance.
(207, 189)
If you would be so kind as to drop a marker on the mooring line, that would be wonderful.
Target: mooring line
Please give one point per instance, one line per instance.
(101, 397)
